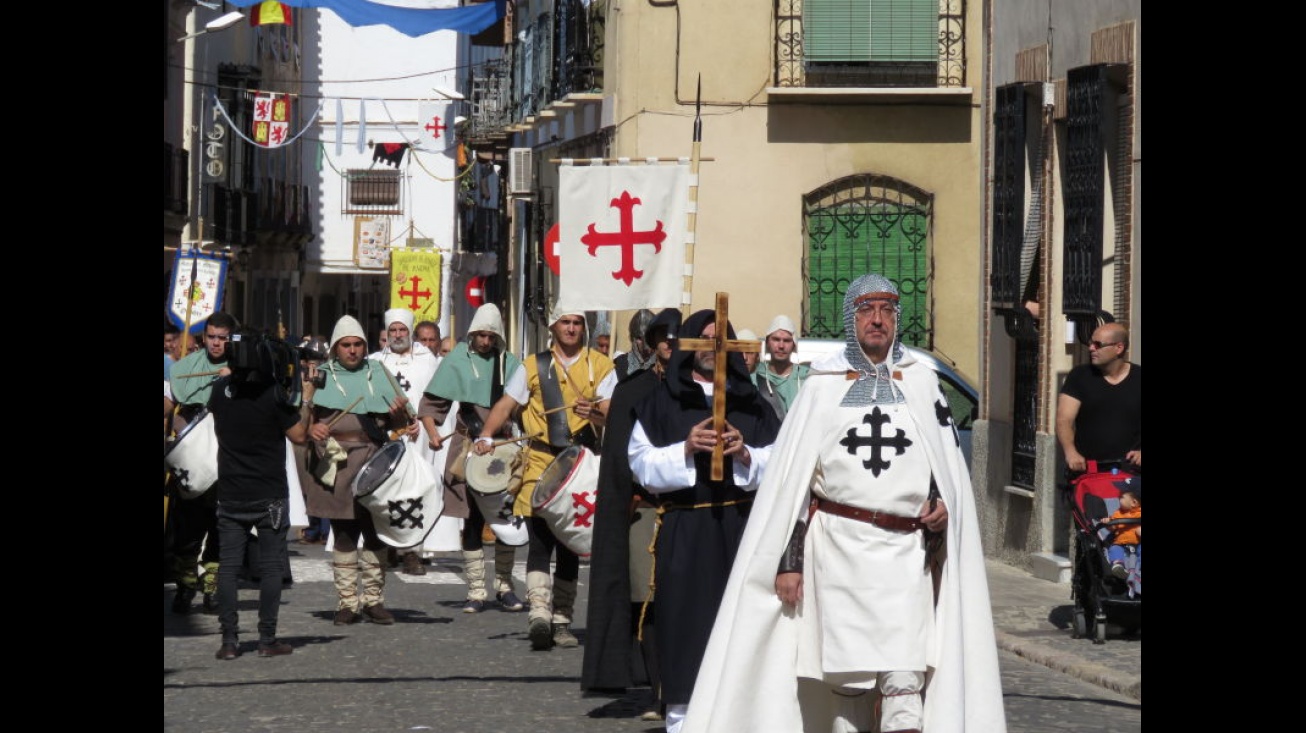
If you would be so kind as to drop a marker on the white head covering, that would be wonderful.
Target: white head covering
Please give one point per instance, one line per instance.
(746, 334)
(487, 318)
(781, 323)
(557, 313)
(402, 315)
(347, 326)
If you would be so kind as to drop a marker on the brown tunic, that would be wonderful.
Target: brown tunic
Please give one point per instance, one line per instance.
(337, 501)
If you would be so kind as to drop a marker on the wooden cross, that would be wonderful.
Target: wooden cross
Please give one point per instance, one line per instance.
(722, 346)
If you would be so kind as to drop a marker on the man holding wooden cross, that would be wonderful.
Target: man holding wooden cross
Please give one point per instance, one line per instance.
(699, 445)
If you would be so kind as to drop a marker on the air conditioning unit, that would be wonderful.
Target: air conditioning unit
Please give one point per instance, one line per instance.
(520, 171)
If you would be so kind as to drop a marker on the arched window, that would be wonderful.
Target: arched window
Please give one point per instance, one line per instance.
(860, 224)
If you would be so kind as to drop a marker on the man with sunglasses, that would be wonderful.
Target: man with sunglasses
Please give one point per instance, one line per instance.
(1100, 408)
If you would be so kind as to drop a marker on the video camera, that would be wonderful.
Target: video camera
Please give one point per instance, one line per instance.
(257, 358)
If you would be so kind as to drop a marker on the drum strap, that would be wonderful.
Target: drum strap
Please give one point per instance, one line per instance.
(653, 545)
(559, 433)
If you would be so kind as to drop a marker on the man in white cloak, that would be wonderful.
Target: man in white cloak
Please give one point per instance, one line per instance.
(858, 601)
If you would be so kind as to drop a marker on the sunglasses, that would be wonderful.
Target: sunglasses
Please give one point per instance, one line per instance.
(1100, 344)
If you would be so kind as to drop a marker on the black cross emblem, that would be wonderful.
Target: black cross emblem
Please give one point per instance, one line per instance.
(182, 476)
(398, 514)
(944, 415)
(876, 441)
(403, 381)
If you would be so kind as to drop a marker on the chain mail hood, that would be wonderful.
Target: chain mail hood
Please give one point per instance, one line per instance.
(874, 383)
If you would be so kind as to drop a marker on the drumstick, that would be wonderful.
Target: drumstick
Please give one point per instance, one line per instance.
(197, 374)
(336, 419)
(514, 440)
(567, 407)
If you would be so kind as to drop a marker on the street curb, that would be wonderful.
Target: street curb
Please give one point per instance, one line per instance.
(1128, 685)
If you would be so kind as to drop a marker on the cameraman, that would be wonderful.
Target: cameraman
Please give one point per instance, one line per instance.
(254, 412)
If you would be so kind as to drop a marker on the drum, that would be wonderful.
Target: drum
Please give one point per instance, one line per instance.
(492, 472)
(193, 457)
(565, 497)
(497, 510)
(401, 492)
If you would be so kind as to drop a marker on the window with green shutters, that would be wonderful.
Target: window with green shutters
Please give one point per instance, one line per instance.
(845, 31)
(864, 224)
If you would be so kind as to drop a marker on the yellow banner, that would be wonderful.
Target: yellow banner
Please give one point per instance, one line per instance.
(415, 282)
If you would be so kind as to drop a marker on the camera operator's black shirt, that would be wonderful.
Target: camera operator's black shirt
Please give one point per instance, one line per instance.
(250, 425)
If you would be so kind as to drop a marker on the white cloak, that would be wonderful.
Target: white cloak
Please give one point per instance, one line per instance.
(748, 680)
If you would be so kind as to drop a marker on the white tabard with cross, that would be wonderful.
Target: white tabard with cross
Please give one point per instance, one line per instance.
(722, 346)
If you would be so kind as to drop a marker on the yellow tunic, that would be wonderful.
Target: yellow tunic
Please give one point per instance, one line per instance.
(574, 382)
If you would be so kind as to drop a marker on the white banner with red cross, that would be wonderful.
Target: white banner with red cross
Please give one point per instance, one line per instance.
(622, 235)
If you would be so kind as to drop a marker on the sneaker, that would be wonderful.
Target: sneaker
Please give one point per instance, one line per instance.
(509, 601)
(562, 636)
(541, 634)
(181, 600)
(275, 649)
(210, 605)
(346, 616)
(473, 606)
(413, 564)
(378, 614)
(227, 651)
(1119, 570)
(651, 716)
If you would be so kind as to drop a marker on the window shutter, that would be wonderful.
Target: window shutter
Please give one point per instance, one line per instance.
(870, 30)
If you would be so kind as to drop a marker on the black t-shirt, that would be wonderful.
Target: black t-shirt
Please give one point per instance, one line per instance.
(1110, 419)
(250, 426)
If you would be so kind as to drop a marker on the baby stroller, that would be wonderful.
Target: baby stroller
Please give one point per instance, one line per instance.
(1101, 597)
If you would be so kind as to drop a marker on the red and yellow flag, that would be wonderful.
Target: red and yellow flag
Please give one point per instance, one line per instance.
(270, 12)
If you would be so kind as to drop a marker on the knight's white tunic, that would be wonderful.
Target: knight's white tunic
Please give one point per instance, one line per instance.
(867, 600)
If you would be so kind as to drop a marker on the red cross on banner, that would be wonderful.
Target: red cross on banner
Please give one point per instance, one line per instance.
(622, 235)
(431, 117)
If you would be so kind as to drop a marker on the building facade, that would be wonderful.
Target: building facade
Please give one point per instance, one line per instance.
(1063, 240)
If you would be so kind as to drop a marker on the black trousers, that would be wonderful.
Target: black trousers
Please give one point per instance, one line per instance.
(270, 517)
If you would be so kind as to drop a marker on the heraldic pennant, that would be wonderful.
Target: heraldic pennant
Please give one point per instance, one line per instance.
(622, 235)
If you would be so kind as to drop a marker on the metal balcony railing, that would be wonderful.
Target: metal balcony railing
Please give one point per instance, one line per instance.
(794, 68)
(558, 53)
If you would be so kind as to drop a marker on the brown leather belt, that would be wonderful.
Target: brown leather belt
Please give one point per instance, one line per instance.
(355, 436)
(542, 447)
(879, 519)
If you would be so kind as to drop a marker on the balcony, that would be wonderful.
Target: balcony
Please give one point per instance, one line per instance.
(913, 58)
(276, 214)
(557, 59)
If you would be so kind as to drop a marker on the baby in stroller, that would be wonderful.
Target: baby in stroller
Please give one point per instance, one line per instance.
(1125, 551)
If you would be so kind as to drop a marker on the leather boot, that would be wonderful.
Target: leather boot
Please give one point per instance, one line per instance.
(504, 558)
(474, 571)
(539, 622)
(344, 569)
(371, 570)
(564, 599)
(413, 564)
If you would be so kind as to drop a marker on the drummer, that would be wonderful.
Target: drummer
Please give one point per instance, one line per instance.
(195, 525)
(472, 377)
(351, 414)
(412, 365)
(572, 387)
